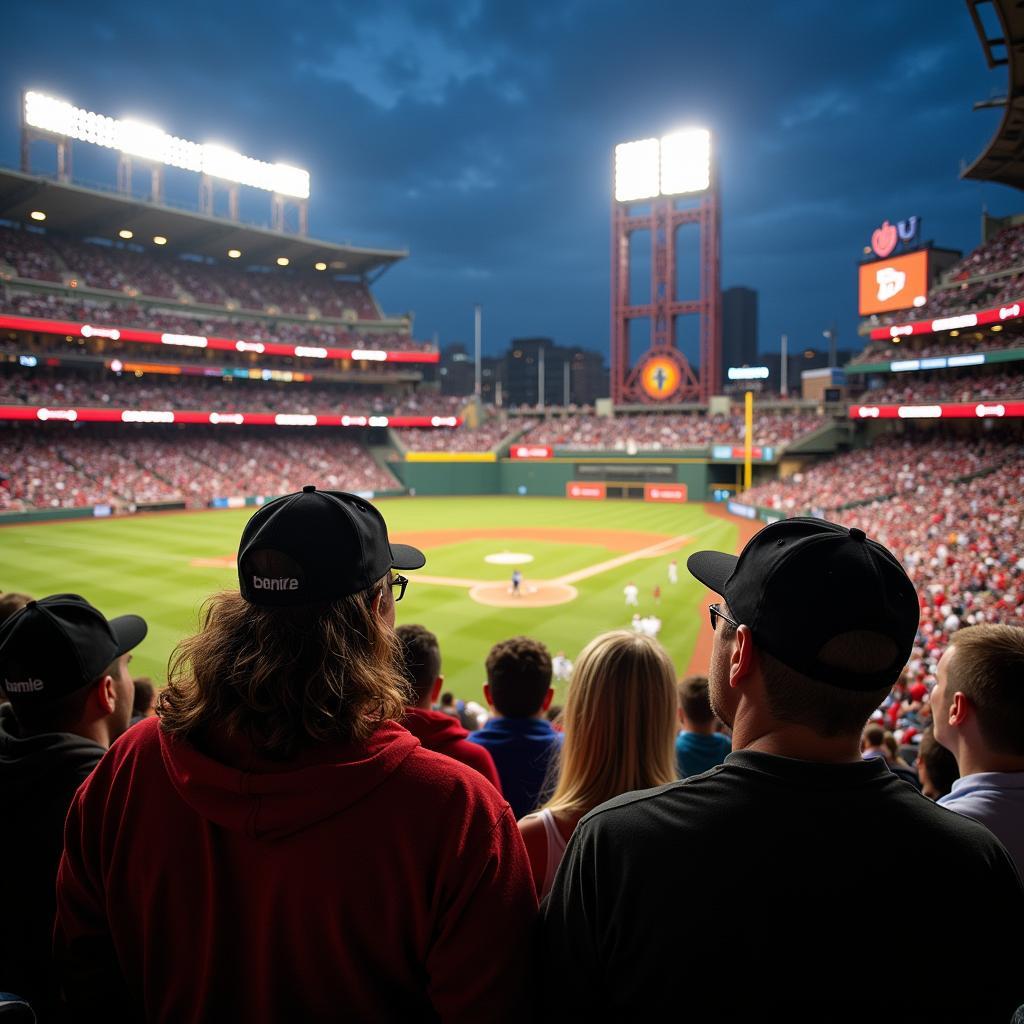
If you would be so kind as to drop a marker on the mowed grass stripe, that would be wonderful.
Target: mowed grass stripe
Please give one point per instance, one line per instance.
(143, 564)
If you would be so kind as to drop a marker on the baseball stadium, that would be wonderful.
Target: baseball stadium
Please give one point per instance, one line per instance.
(178, 382)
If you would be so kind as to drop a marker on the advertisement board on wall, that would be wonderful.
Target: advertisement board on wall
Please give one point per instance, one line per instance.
(530, 451)
(899, 282)
(592, 492)
(663, 492)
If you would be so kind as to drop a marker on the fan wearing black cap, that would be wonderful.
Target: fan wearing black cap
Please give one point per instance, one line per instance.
(64, 668)
(291, 852)
(753, 878)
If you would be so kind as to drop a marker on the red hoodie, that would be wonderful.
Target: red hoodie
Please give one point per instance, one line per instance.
(360, 882)
(441, 732)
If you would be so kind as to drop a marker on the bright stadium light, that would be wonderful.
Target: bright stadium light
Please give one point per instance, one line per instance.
(282, 261)
(234, 253)
(126, 234)
(685, 161)
(636, 170)
(159, 240)
(320, 266)
(135, 138)
(37, 215)
(670, 166)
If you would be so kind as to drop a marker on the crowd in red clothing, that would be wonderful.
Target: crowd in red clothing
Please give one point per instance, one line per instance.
(73, 469)
(158, 391)
(940, 387)
(657, 431)
(164, 276)
(205, 323)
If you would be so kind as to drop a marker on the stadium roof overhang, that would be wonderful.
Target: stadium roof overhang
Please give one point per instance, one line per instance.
(1003, 159)
(85, 212)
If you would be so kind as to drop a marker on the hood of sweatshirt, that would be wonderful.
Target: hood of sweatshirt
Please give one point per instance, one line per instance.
(434, 729)
(37, 766)
(235, 788)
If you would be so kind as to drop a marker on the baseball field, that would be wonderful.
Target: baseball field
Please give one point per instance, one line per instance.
(576, 557)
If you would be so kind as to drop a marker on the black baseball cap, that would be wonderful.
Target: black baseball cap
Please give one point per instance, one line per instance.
(801, 583)
(54, 647)
(316, 546)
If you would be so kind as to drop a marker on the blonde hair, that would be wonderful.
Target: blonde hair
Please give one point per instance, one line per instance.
(285, 678)
(619, 721)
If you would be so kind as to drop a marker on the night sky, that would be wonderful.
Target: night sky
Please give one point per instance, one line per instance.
(479, 135)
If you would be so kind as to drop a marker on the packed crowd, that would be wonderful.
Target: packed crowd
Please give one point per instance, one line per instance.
(177, 321)
(162, 275)
(943, 344)
(882, 469)
(655, 432)
(158, 391)
(298, 717)
(912, 388)
(73, 469)
(481, 439)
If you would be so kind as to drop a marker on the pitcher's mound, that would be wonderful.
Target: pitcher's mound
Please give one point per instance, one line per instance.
(531, 594)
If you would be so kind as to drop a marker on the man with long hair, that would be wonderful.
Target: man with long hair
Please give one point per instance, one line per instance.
(274, 846)
(763, 865)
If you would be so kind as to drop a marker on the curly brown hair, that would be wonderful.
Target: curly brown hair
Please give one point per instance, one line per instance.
(285, 678)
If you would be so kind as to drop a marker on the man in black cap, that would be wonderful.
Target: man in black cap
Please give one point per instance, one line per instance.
(64, 668)
(275, 846)
(752, 878)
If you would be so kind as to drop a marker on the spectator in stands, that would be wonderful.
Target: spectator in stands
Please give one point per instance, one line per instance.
(11, 602)
(764, 860)
(936, 766)
(518, 736)
(144, 705)
(65, 672)
(323, 860)
(699, 746)
(447, 705)
(978, 709)
(619, 722)
(421, 665)
(873, 745)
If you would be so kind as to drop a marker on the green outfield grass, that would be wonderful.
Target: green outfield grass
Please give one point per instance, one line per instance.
(144, 564)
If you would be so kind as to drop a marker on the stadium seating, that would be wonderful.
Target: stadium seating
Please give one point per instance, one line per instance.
(654, 432)
(73, 468)
(204, 323)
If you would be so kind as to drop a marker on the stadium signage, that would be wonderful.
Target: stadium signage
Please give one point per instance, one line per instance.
(249, 419)
(41, 326)
(747, 373)
(531, 451)
(586, 492)
(884, 239)
(954, 410)
(995, 315)
(725, 451)
(659, 492)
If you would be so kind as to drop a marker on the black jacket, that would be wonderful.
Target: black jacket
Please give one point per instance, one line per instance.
(38, 778)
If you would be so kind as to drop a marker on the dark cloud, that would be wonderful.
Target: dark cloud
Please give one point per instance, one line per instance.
(479, 134)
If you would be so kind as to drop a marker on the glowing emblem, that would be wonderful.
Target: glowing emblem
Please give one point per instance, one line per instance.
(660, 377)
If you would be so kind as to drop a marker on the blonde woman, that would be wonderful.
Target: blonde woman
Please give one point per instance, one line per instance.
(620, 726)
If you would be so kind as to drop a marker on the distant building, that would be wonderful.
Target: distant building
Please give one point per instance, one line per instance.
(458, 374)
(796, 362)
(574, 373)
(739, 328)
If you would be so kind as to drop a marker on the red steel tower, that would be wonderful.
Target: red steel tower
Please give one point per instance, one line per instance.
(657, 172)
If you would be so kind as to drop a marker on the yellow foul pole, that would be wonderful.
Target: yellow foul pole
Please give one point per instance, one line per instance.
(748, 440)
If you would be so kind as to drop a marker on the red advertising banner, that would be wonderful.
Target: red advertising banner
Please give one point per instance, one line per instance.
(39, 326)
(664, 492)
(530, 451)
(249, 419)
(1013, 310)
(590, 492)
(956, 410)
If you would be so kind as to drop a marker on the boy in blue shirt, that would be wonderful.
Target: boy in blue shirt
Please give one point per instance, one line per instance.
(698, 746)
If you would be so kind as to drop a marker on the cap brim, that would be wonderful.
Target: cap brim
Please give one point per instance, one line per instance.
(405, 556)
(712, 568)
(129, 631)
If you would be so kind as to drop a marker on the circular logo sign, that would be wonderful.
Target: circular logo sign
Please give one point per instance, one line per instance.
(660, 377)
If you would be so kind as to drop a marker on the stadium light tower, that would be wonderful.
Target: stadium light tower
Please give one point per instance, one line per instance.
(658, 173)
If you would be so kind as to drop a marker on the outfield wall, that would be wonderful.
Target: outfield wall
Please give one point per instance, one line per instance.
(550, 477)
